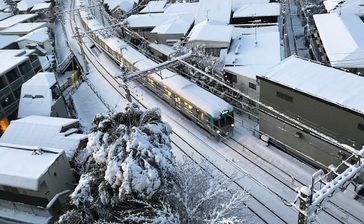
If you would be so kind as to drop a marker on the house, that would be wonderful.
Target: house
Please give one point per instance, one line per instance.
(38, 40)
(154, 7)
(247, 57)
(33, 180)
(22, 29)
(62, 134)
(25, 6)
(117, 8)
(214, 10)
(321, 98)
(333, 30)
(17, 66)
(43, 9)
(213, 36)
(9, 42)
(21, 18)
(254, 13)
(41, 95)
(345, 7)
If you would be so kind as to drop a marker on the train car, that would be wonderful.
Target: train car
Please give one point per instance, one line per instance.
(207, 110)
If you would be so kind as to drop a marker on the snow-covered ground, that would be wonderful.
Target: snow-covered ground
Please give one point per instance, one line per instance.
(266, 191)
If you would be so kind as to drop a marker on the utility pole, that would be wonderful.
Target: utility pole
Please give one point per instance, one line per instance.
(310, 200)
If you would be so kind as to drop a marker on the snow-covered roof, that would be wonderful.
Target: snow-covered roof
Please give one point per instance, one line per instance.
(39, 35)
(250, 46)
(343, 39)
(239, 3)
(176, 25)
(214, 10)
(3, 5)
(258, 10)
(21, 168)
(154, 19)
(6, 40)
(24, 5)
(10, 59)
(41, 6)
(15, 19)
(249, 71)
(330, 84)
(4, 15)
(331, 4)
(36, 95)
(347, 6)
(23, 28)
(124, 5)
(44, 131)
(190, 7)
(154, 7)
(166, 50)
(212, 33)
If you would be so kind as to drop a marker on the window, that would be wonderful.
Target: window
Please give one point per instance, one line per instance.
(7, 101)
(25, 68)
(12, 75)
(2, 82)
(284, 97)
(361, 127)
(17, 93)
(252, 86)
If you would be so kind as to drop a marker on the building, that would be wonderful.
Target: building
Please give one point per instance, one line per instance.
(253, 13)
(214, 10)
(213, 36)
(21, 18)
(33, 181)
(154, 7)
(333, 30)
(319, 97)
(37, 40)
(345, 7)
(22, 28)
(247, 57)
(8, 42)
(16, 68)
(117, 8)
(41, 95)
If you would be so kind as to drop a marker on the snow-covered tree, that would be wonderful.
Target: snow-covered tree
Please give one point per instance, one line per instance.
(204, 195)
(127, 165)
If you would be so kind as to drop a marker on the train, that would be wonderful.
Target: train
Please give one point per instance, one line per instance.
(204, 108)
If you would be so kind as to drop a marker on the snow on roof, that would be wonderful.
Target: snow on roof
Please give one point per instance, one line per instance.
(349, 6)
(4, 15)
(331, 4)
(36, 95)
(239, 3)
(330, 84)
(251, 46)
(343, 39)
(211, 32)
(165, 49)
(249, 71)
(154, 7)
(190, 7)
(258, 10)
(154, 19)
(23, 28)
(6, 40)
(124, 5)
(3, 5)
(44, 131)
(9, 59)
(15, 19)
(175, 25)
(214, 10)
(20, 168)
(39, 35)
(24, 5)
(41, 6)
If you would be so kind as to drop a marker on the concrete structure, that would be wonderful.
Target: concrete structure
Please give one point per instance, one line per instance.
(342, 38)
(16, 68)
(41, 95)
(322, 98)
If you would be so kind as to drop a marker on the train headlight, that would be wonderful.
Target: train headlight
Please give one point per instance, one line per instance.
(218, 131)
(232, 125)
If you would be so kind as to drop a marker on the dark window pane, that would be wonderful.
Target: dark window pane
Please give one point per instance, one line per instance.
(12, 75)
(2, 82)
(7, 101)
(25, 68)
(361, 126)
(252, 85)
(284, 97)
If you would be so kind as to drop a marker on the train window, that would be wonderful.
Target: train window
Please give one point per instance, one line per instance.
(178, 100)
(187, 105)
(284, 96)
(361, 127)
(202, 116)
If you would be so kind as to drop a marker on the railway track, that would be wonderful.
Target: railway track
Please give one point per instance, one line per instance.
(116, 85)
